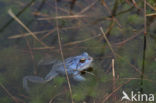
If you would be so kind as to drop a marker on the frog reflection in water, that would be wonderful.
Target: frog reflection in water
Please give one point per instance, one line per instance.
(74, 65)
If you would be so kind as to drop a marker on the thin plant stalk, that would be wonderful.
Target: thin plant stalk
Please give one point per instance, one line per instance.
(61, 51)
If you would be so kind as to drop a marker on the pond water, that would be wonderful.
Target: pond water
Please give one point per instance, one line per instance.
(82, 26)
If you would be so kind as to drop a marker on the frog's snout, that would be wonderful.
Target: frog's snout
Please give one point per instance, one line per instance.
(89, 58)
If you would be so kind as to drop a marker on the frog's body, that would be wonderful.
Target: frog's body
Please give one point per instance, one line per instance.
(74, 66)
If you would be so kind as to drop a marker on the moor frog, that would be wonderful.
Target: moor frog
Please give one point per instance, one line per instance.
(74, 65)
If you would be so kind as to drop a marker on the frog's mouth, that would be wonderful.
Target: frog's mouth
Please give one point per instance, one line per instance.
(89, 69)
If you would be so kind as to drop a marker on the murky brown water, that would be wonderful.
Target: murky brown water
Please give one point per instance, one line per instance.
(79, 23)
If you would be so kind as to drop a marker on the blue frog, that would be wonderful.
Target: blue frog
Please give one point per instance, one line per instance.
(74, 65)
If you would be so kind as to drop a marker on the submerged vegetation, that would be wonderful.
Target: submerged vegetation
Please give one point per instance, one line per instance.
(122, 30)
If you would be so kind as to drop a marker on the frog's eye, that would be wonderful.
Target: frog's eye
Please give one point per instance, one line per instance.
(82, 60)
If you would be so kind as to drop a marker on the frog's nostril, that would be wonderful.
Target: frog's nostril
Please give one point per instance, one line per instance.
(90, 58)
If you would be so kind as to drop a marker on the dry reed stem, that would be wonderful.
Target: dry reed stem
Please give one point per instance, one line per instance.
(151, 14)
(37, 13)
(153, 8)
(15, 99)
(44, 48)
(39, 32)
(52, 99)
(136, 6)
(148, 4)
(110, 12)
(63, 28)
(114, 79)
(60, 47)
(81, 41)
(25, 27)
(138, 79)
(109, 44)
(128, 2)
(33, 35)
(117, 55)
(110, 27)
(116, 89)
(70, 43)
(47, 34)
(32, 55)
(63, 17)
(129, 38)
(26, 34)
(113, 70)
(88, 7)
(128, 80)
(90, 73)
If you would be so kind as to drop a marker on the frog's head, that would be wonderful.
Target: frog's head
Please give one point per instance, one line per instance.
(84, 61)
